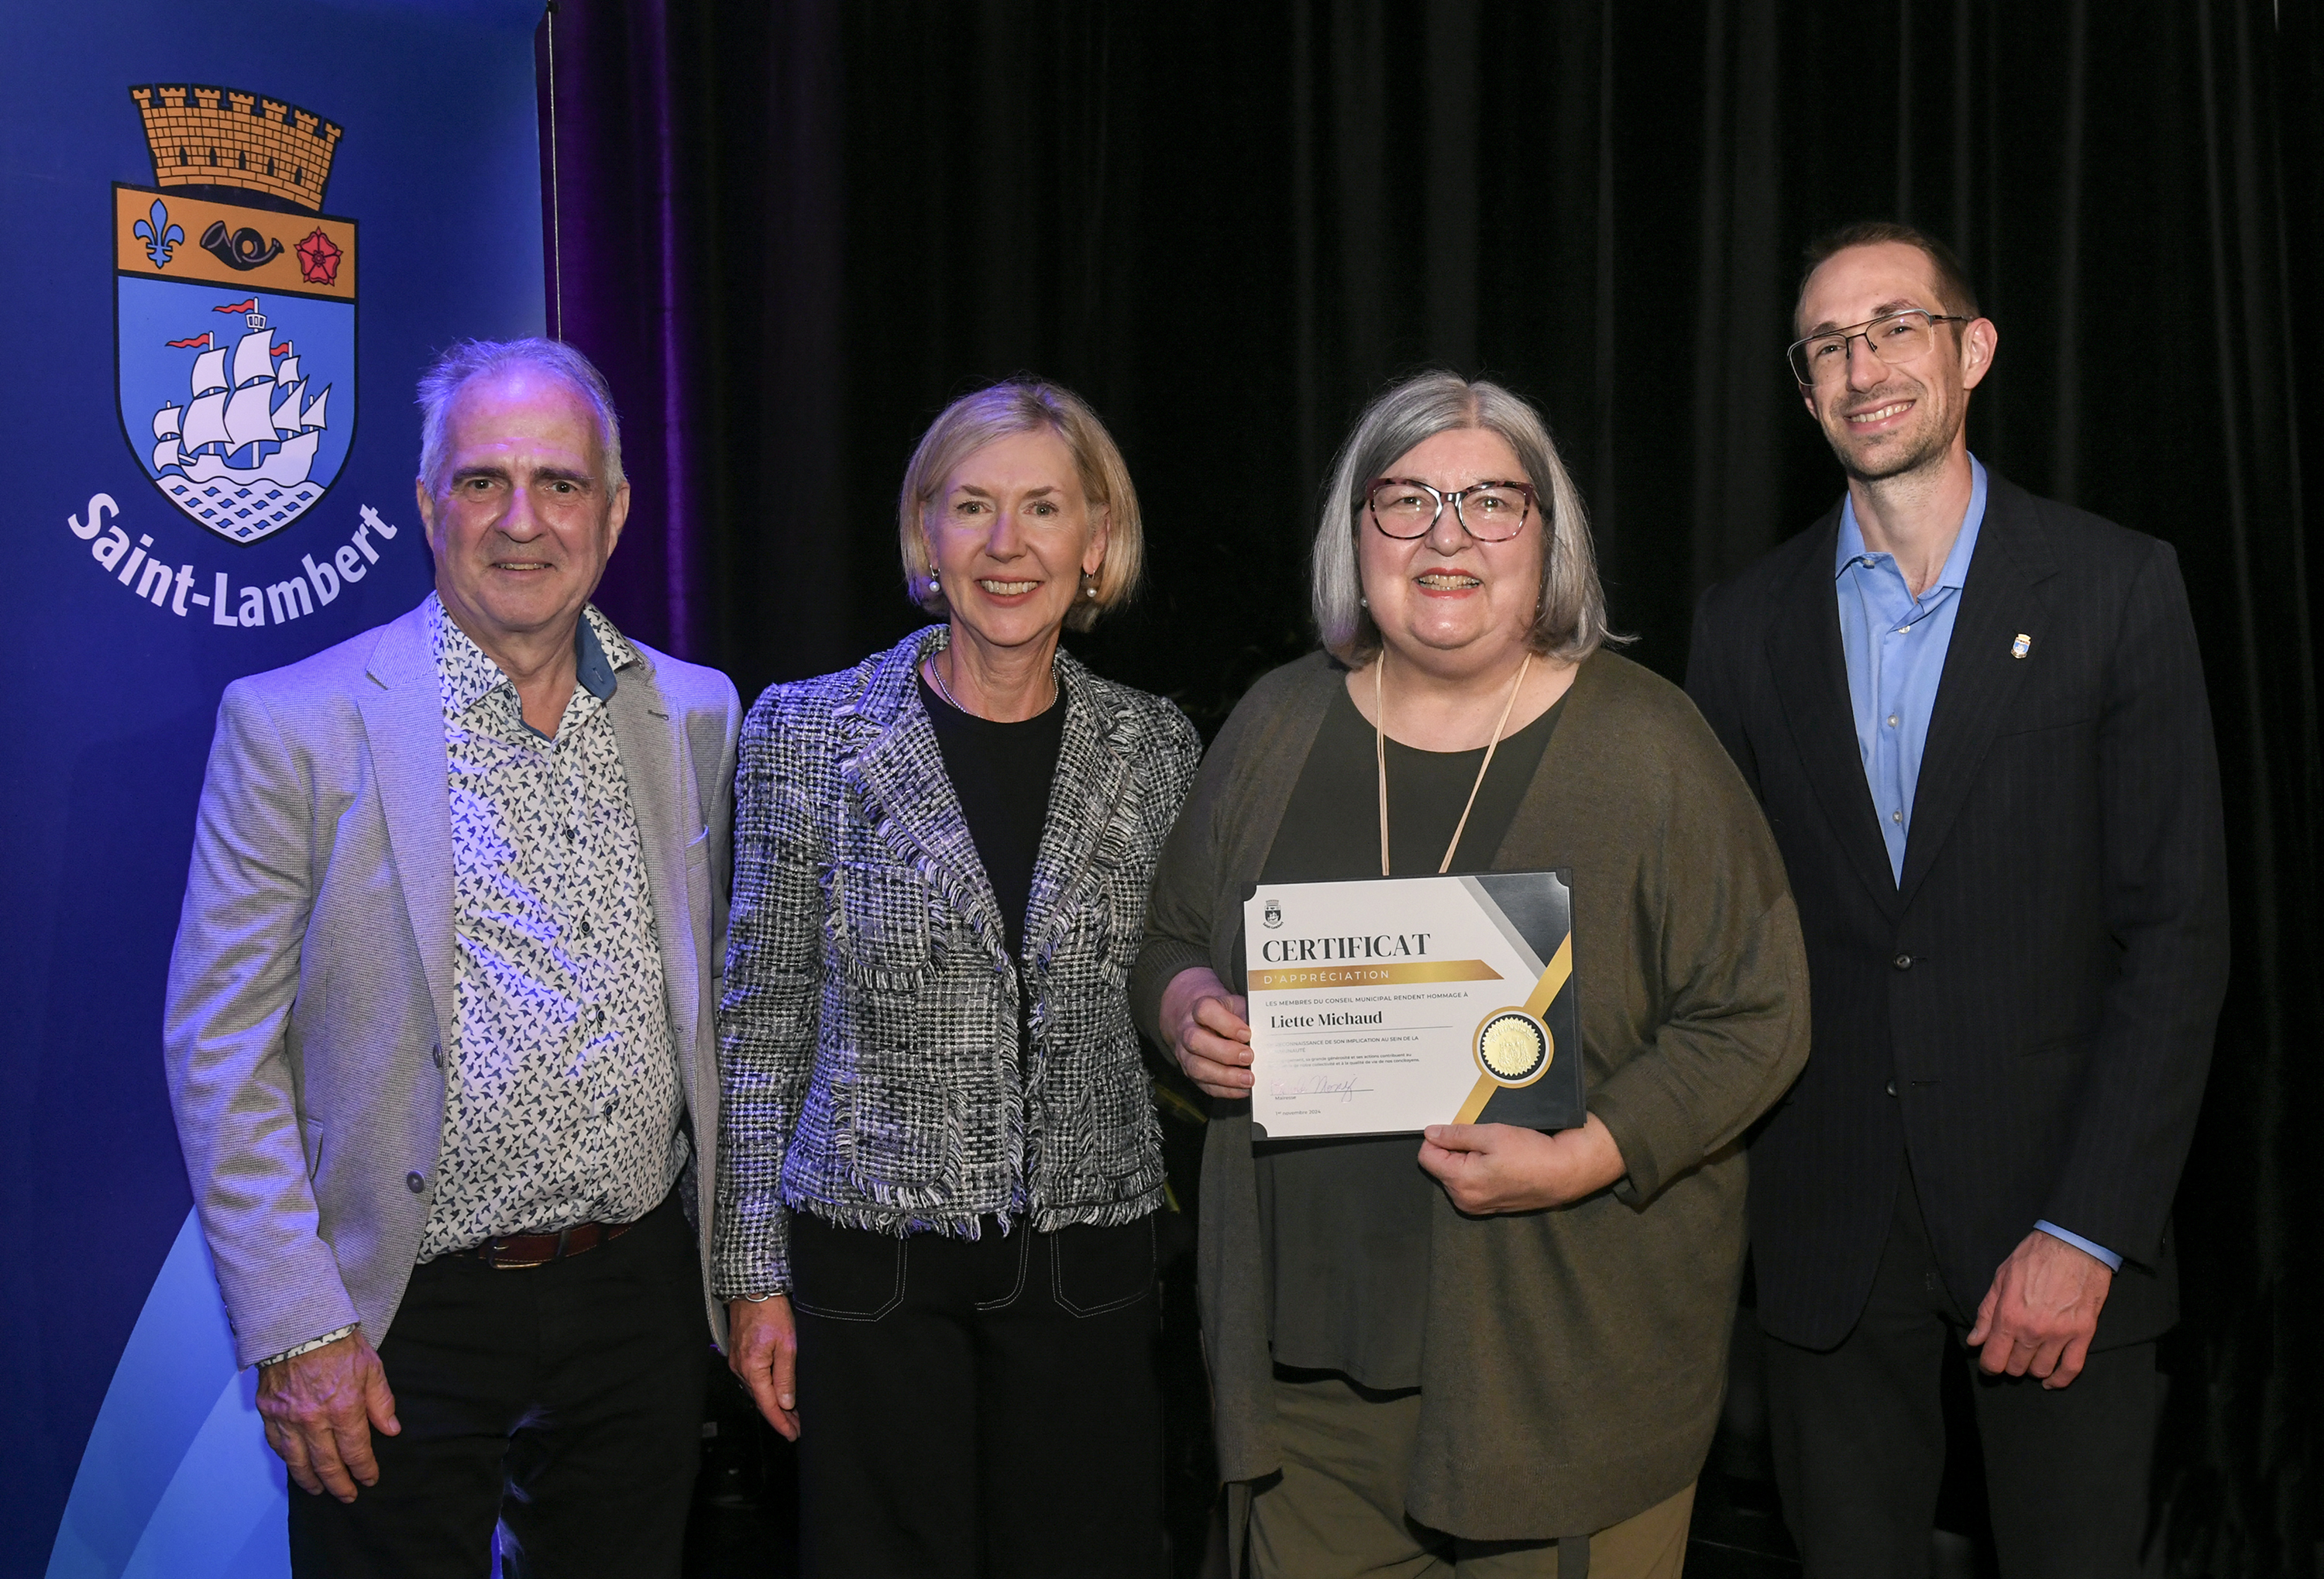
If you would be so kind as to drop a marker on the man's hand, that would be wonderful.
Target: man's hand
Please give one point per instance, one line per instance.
(320, 1410)
(762, 1350)
(2041, 1310)
(1209, 1031)
(1499, 1168)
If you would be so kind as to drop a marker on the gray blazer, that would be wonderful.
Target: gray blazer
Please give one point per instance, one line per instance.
(870, 1024)
(312, 988)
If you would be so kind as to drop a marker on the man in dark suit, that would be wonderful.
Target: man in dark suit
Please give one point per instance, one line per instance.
(1976, 720)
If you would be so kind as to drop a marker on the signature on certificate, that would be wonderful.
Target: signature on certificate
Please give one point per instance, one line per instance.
(1342, 1086)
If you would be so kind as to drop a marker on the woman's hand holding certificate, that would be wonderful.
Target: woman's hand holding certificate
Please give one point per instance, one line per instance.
(1210, 1032)
(1485, 1168)
(1501, 1168)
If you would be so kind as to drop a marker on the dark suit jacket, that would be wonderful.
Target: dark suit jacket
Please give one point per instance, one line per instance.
(2040, 990)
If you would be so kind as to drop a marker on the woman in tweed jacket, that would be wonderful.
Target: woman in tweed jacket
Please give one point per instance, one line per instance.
(938, 1160)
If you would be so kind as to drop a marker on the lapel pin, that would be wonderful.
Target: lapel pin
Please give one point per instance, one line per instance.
(2022, 646)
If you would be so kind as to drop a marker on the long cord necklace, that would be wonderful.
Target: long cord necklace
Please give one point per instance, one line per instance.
(1380, 754)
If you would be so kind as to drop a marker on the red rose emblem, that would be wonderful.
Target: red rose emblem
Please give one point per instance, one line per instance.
(319, 259)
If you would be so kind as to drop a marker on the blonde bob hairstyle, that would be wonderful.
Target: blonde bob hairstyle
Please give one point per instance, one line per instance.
(1023, 405)
(1569, 618)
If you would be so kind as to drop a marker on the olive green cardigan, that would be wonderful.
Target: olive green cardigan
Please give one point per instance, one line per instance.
(1575, 1358)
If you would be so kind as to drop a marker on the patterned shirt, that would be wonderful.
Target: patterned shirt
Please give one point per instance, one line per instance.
(561, 1102)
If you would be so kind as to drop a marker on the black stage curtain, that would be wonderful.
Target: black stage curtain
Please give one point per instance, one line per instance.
(792, 231)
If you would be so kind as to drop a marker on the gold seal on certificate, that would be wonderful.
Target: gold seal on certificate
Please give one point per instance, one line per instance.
(1383, 1005)
(1513, 1047)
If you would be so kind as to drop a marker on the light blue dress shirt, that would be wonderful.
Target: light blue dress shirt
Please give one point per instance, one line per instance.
(1894, 645)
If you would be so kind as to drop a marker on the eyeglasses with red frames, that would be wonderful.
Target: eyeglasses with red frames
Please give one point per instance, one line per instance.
(1407, 508)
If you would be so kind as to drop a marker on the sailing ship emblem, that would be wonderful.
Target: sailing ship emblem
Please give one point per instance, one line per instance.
(248, 403)
(234, 358)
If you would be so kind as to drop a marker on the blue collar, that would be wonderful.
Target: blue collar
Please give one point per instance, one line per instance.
(592, 668)
(465, 674)
(1955, 574)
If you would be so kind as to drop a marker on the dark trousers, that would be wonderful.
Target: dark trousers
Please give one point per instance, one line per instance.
(563, 1400)
(983, 1409)
(1860, 1438)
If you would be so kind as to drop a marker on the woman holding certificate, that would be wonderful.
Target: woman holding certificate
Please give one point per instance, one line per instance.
(1467, 1323)
(939, 1163)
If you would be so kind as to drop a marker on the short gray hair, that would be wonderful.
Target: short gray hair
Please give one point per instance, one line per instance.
(470, 360)
(1570, 616)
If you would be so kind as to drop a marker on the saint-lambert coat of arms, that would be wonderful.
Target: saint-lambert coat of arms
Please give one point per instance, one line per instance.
(234, 309)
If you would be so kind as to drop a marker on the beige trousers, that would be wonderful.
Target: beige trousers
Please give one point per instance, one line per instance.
(1337, 1510)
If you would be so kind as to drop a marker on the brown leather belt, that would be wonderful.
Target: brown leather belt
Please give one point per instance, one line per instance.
(537, 1250)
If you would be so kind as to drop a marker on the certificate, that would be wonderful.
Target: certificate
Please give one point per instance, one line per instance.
(1383, 1005)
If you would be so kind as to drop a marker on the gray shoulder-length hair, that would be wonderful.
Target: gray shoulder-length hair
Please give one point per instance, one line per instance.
(1570, 616)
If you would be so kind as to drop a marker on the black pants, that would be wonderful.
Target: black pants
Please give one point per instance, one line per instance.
(564, 1400)
(983, 1409)
(1860, 1438)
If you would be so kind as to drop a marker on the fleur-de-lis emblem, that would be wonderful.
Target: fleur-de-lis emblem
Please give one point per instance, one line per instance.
(161, 238)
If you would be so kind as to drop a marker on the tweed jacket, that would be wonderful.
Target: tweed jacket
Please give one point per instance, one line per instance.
(869, 1034)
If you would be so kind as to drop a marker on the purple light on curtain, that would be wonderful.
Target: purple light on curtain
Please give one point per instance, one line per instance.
(619, 252)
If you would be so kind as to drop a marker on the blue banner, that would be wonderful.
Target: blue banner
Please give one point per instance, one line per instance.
(234, 234)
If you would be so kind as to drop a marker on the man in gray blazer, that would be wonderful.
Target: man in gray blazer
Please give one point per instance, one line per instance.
(441, 1031)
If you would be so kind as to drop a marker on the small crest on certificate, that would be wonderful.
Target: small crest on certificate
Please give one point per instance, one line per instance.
(1274, 916)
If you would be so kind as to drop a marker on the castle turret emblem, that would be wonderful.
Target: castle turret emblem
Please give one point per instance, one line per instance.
(234, 309)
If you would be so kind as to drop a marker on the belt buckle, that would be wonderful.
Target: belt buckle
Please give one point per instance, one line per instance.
(495, 1253)
(497, 1257)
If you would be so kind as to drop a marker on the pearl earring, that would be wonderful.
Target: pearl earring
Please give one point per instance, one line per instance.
(936, 583)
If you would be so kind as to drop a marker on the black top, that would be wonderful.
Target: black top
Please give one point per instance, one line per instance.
(1002, 773)
(1345, 1223)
